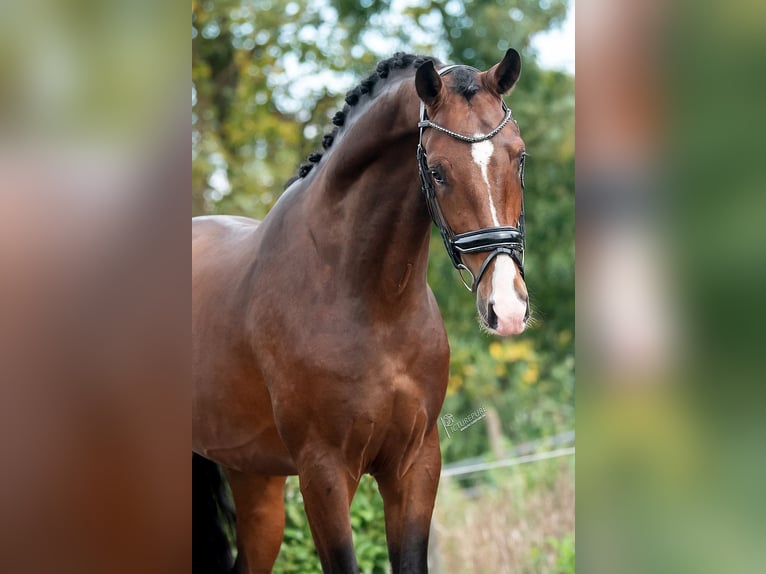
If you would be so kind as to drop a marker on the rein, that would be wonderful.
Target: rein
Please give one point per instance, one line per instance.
(493, 240)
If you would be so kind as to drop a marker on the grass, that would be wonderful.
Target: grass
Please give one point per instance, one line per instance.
(518, 520)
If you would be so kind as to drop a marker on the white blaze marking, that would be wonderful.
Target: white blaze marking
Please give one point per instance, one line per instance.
(506, 299)
(503, 277)
(481, 153)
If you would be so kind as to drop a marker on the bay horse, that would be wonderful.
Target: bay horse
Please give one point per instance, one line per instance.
(318, 346)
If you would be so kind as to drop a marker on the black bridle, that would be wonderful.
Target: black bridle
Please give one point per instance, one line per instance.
(494, 240)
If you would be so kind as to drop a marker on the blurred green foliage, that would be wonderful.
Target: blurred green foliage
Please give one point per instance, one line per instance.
(563, 551)
(267, 76)
(298, 554)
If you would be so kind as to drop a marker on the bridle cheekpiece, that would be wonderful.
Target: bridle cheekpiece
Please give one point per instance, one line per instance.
(493, 240)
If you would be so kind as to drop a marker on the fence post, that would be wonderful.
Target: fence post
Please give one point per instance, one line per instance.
(495, 433)
(434, 556)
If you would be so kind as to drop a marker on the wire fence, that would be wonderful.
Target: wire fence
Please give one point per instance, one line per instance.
(522, 454)
(482, 466)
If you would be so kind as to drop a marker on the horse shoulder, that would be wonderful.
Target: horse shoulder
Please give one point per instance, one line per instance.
(222, 250)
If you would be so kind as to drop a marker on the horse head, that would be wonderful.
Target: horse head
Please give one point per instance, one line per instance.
(471, 158)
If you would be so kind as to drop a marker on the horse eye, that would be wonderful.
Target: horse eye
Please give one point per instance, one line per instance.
(437, 175)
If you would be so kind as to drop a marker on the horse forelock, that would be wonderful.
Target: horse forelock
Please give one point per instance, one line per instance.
(465, 83)
(365, 90)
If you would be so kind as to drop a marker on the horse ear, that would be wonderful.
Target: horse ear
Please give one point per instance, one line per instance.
(503, 76)
(428, 83)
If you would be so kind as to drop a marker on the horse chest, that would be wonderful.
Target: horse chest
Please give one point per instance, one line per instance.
(338, 347)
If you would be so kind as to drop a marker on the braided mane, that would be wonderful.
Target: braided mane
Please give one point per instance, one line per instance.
(398, 61)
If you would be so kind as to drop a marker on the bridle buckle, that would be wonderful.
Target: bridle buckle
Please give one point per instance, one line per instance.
(461, 271)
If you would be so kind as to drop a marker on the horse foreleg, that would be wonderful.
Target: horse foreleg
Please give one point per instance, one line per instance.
(328, 487)
(408, 502)
(260, 506)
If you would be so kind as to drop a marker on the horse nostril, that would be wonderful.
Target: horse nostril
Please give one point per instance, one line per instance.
(491, 316)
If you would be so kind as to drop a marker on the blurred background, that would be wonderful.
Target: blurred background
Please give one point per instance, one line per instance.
(267, 77)
(94, 287)
(670, 285)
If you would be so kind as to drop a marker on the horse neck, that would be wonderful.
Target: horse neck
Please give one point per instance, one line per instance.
(369, 209)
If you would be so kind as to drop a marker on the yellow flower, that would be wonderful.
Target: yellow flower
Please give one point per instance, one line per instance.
(521, 350)
(496, 350)
(455, 382)
(532, 374)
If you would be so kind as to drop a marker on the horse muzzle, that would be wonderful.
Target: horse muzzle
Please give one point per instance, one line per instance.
(503, 303)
